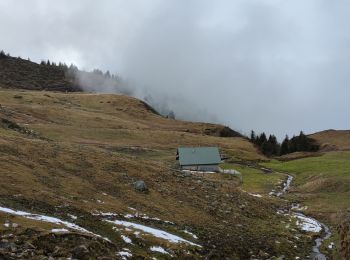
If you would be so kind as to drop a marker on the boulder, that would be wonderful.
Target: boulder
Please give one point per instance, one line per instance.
(140, 186)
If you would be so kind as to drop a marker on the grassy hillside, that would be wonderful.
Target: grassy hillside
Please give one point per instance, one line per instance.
(75, 157)
(333, 139)
(78, 155)
(322, 183)
(24, 74)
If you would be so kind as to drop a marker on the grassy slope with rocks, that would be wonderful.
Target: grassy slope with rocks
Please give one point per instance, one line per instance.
(322, 183)
(81, 153)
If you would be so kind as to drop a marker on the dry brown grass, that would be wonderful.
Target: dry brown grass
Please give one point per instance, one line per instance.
(331, 140)
(87, 151)
(113, 121)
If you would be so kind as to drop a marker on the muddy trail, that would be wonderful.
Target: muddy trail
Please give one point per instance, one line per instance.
(311, 223)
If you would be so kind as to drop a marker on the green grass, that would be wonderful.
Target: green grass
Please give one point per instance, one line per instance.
(323, 185)
(332, 164)
(255, 180)
(322, 182)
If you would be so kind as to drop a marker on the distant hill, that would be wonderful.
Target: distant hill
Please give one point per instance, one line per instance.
(330, 140)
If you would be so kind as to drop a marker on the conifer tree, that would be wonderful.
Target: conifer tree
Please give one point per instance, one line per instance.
(252, 136)
(2, 54)
(274, 145)
(262, 139)
(285, 146)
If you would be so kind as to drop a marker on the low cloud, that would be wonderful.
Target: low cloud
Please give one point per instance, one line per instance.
(267, 65)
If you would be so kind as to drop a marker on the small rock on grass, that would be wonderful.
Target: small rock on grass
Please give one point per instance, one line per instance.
(140, 186)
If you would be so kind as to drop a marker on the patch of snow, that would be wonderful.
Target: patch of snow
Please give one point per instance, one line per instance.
(229, 171)
(104, 194)
(104, 214)
(144, 216)
(72, 216)
(48, 219)
(132, 208)
(297, 207)
(116, 229)
(14, 225)
(331, 245)
(190, 233)
(126, 239)
(255, 195)
(195, 172)
(129, 216)
(124, 254)
(159, 249)
(153, 231)
(7, 225)
(59, 230)
(308, 224)
(147, 217)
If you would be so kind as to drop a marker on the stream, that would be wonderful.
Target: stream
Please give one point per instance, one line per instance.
(310, 223)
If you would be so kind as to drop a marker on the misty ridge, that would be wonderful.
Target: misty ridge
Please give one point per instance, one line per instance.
(50, 75)
(100, 82)
(168, 105)
(97, 81)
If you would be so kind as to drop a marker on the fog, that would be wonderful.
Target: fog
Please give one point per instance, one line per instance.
(268, 65)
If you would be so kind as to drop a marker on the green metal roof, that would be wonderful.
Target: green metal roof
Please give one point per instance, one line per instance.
(198, 155)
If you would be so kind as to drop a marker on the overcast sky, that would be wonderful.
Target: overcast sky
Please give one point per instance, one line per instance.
(275, 66)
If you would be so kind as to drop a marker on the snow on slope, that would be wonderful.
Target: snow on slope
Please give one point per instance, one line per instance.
(48, 219)
(153, 231)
